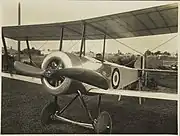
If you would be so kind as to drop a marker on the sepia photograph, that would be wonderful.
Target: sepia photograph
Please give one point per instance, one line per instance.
(89, 67)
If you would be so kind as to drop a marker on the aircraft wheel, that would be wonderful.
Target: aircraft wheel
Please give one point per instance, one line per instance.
(103, 123)
(46, 113)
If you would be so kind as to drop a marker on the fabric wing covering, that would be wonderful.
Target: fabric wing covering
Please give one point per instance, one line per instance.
(151, 21)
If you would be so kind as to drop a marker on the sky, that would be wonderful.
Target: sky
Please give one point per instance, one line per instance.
(45, 11)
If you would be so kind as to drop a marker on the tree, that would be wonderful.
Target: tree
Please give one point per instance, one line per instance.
(148, 52)
(120, 53)
(166, 53)
(176, 55)
(157, 53)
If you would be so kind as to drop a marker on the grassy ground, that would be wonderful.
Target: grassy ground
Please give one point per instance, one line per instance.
(22, 104)
(168, 80)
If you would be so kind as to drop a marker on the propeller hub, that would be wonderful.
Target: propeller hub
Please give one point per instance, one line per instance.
(54, 65)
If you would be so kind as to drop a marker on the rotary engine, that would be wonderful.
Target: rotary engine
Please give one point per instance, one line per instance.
(55, 61)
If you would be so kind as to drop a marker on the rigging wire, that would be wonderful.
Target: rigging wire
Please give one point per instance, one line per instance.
(43, 44)
(73, 45)
(129, 47)
(163, 43)
(126, 46)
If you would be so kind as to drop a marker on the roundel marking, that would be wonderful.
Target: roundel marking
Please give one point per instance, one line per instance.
(115, 80)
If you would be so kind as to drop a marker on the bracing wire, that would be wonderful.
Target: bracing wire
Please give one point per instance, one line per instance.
(129, 47)
(73, 45)
(42, 44)
(163, 43)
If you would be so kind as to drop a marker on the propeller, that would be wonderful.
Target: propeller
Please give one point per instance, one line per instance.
(28, 70)
(83, 75)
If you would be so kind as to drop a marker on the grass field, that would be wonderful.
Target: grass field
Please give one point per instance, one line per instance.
(22, 103)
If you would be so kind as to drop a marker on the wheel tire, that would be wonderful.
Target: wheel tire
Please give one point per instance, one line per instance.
(48, 110)
(103, 124)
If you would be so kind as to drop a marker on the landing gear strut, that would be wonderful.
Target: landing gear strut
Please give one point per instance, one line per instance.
(51, 112)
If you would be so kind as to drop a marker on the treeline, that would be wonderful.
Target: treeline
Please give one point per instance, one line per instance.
(148, 52)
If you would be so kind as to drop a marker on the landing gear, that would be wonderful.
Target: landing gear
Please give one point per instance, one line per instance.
(102, 125)
(47, 112)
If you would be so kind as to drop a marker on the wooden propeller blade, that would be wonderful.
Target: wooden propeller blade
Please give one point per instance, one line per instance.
(84, 75)
(27, 69)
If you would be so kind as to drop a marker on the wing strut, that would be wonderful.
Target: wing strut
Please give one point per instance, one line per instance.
(61, 39)
(19, 23)
(29, 53)
(6, 52)
(83, 39)
(84, 51)
(104, 47)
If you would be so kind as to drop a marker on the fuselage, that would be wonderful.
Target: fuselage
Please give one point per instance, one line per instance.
(118, 76)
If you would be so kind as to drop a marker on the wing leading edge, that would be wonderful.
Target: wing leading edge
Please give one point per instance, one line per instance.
(144, 94)
(151, 21)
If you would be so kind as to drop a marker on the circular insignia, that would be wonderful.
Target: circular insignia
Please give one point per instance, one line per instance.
(115, 78)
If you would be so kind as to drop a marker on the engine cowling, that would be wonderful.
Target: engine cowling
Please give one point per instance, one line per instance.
(56, 60)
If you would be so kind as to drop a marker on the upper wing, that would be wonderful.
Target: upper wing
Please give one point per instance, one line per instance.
(144, 22)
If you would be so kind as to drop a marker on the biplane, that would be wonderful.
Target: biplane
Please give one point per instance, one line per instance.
(64, 73)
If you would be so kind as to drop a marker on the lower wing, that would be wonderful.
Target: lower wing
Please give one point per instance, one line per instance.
(131, 93)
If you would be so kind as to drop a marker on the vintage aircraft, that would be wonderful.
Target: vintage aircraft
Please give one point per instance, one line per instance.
(64, 73)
